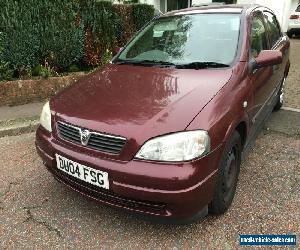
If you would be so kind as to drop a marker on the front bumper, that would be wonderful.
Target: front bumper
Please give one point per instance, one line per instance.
(177, 191)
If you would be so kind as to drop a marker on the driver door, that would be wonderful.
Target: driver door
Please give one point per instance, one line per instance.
(260, 78)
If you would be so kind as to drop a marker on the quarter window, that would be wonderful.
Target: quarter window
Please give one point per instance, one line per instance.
(273, 26)
(259, 39)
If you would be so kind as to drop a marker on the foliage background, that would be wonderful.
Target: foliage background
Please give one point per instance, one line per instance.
(40, 37)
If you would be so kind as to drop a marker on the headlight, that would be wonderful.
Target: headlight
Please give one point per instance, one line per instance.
(182, 146)
(45, 119)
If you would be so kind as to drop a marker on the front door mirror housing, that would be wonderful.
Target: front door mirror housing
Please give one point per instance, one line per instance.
(268, 58)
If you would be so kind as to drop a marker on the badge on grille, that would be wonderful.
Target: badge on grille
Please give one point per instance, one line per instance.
(84, 136)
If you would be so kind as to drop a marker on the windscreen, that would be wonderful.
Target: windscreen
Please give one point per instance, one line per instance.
(185, 39)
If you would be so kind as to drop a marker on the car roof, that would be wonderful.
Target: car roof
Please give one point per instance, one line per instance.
(226, 8)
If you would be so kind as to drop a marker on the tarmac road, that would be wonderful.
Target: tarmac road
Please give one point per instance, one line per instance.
(37, 212)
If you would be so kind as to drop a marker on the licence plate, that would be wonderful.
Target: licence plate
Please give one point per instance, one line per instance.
(82, 172)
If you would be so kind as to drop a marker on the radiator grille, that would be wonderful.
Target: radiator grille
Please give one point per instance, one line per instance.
(101, 142)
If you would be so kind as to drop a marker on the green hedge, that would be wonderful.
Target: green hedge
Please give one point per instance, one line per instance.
(6, 72)
(61, 33)
(101, 24)
(127, 27)
(39, 30)
(21, 40)
(142, 13)
(62, 39)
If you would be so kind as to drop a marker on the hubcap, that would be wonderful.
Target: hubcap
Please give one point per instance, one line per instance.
(281, 91)
(230, 175)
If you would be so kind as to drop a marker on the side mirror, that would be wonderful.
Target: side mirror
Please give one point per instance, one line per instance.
(268, 58)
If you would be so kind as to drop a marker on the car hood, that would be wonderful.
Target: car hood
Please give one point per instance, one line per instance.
(138, 102)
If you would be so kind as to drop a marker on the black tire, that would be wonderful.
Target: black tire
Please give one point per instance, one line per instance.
(289, 34)
(227, 176)
(279, 97)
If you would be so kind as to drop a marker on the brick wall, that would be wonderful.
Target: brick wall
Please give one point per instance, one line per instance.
(26, 91)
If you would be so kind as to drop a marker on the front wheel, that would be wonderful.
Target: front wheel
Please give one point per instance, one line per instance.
(228, 176)
(289, 34)
(280, 96)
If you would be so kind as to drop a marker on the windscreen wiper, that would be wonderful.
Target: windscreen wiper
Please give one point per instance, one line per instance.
(157, 62)
(145, 62)
(201, 65)
(121, 61)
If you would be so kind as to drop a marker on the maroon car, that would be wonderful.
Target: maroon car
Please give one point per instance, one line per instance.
(162, 129)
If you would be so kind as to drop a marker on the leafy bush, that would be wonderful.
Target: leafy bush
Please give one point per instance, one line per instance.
(133, 18)
(62, 37)
(40, 29)
(101, 22)
(42, 71)
(126, 29)
(6, 73)
(142, 13)
(73, 68)
(106, 57)
(63, 33)
(108, 26)
(19, 24)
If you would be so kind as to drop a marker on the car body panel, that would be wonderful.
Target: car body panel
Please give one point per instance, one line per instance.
(139, 106)
(172, 184)
(140, 103)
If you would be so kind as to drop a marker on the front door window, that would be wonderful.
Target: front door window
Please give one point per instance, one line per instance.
(259, 40)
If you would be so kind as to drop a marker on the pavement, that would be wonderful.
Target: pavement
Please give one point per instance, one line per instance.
(19, 119)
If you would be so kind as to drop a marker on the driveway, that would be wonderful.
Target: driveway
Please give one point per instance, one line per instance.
(38, 212)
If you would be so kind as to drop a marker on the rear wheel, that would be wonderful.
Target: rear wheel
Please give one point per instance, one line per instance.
(228, 176)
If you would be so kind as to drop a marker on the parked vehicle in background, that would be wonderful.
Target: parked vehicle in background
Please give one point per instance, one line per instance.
(162, 129)
(294, 23)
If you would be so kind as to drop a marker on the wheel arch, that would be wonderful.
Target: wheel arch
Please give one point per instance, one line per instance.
(242, 130)
(241, 126)
(287, 68)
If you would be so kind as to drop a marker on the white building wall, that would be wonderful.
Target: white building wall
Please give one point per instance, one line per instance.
(195, 2)
(155, 3)
(147, 1)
